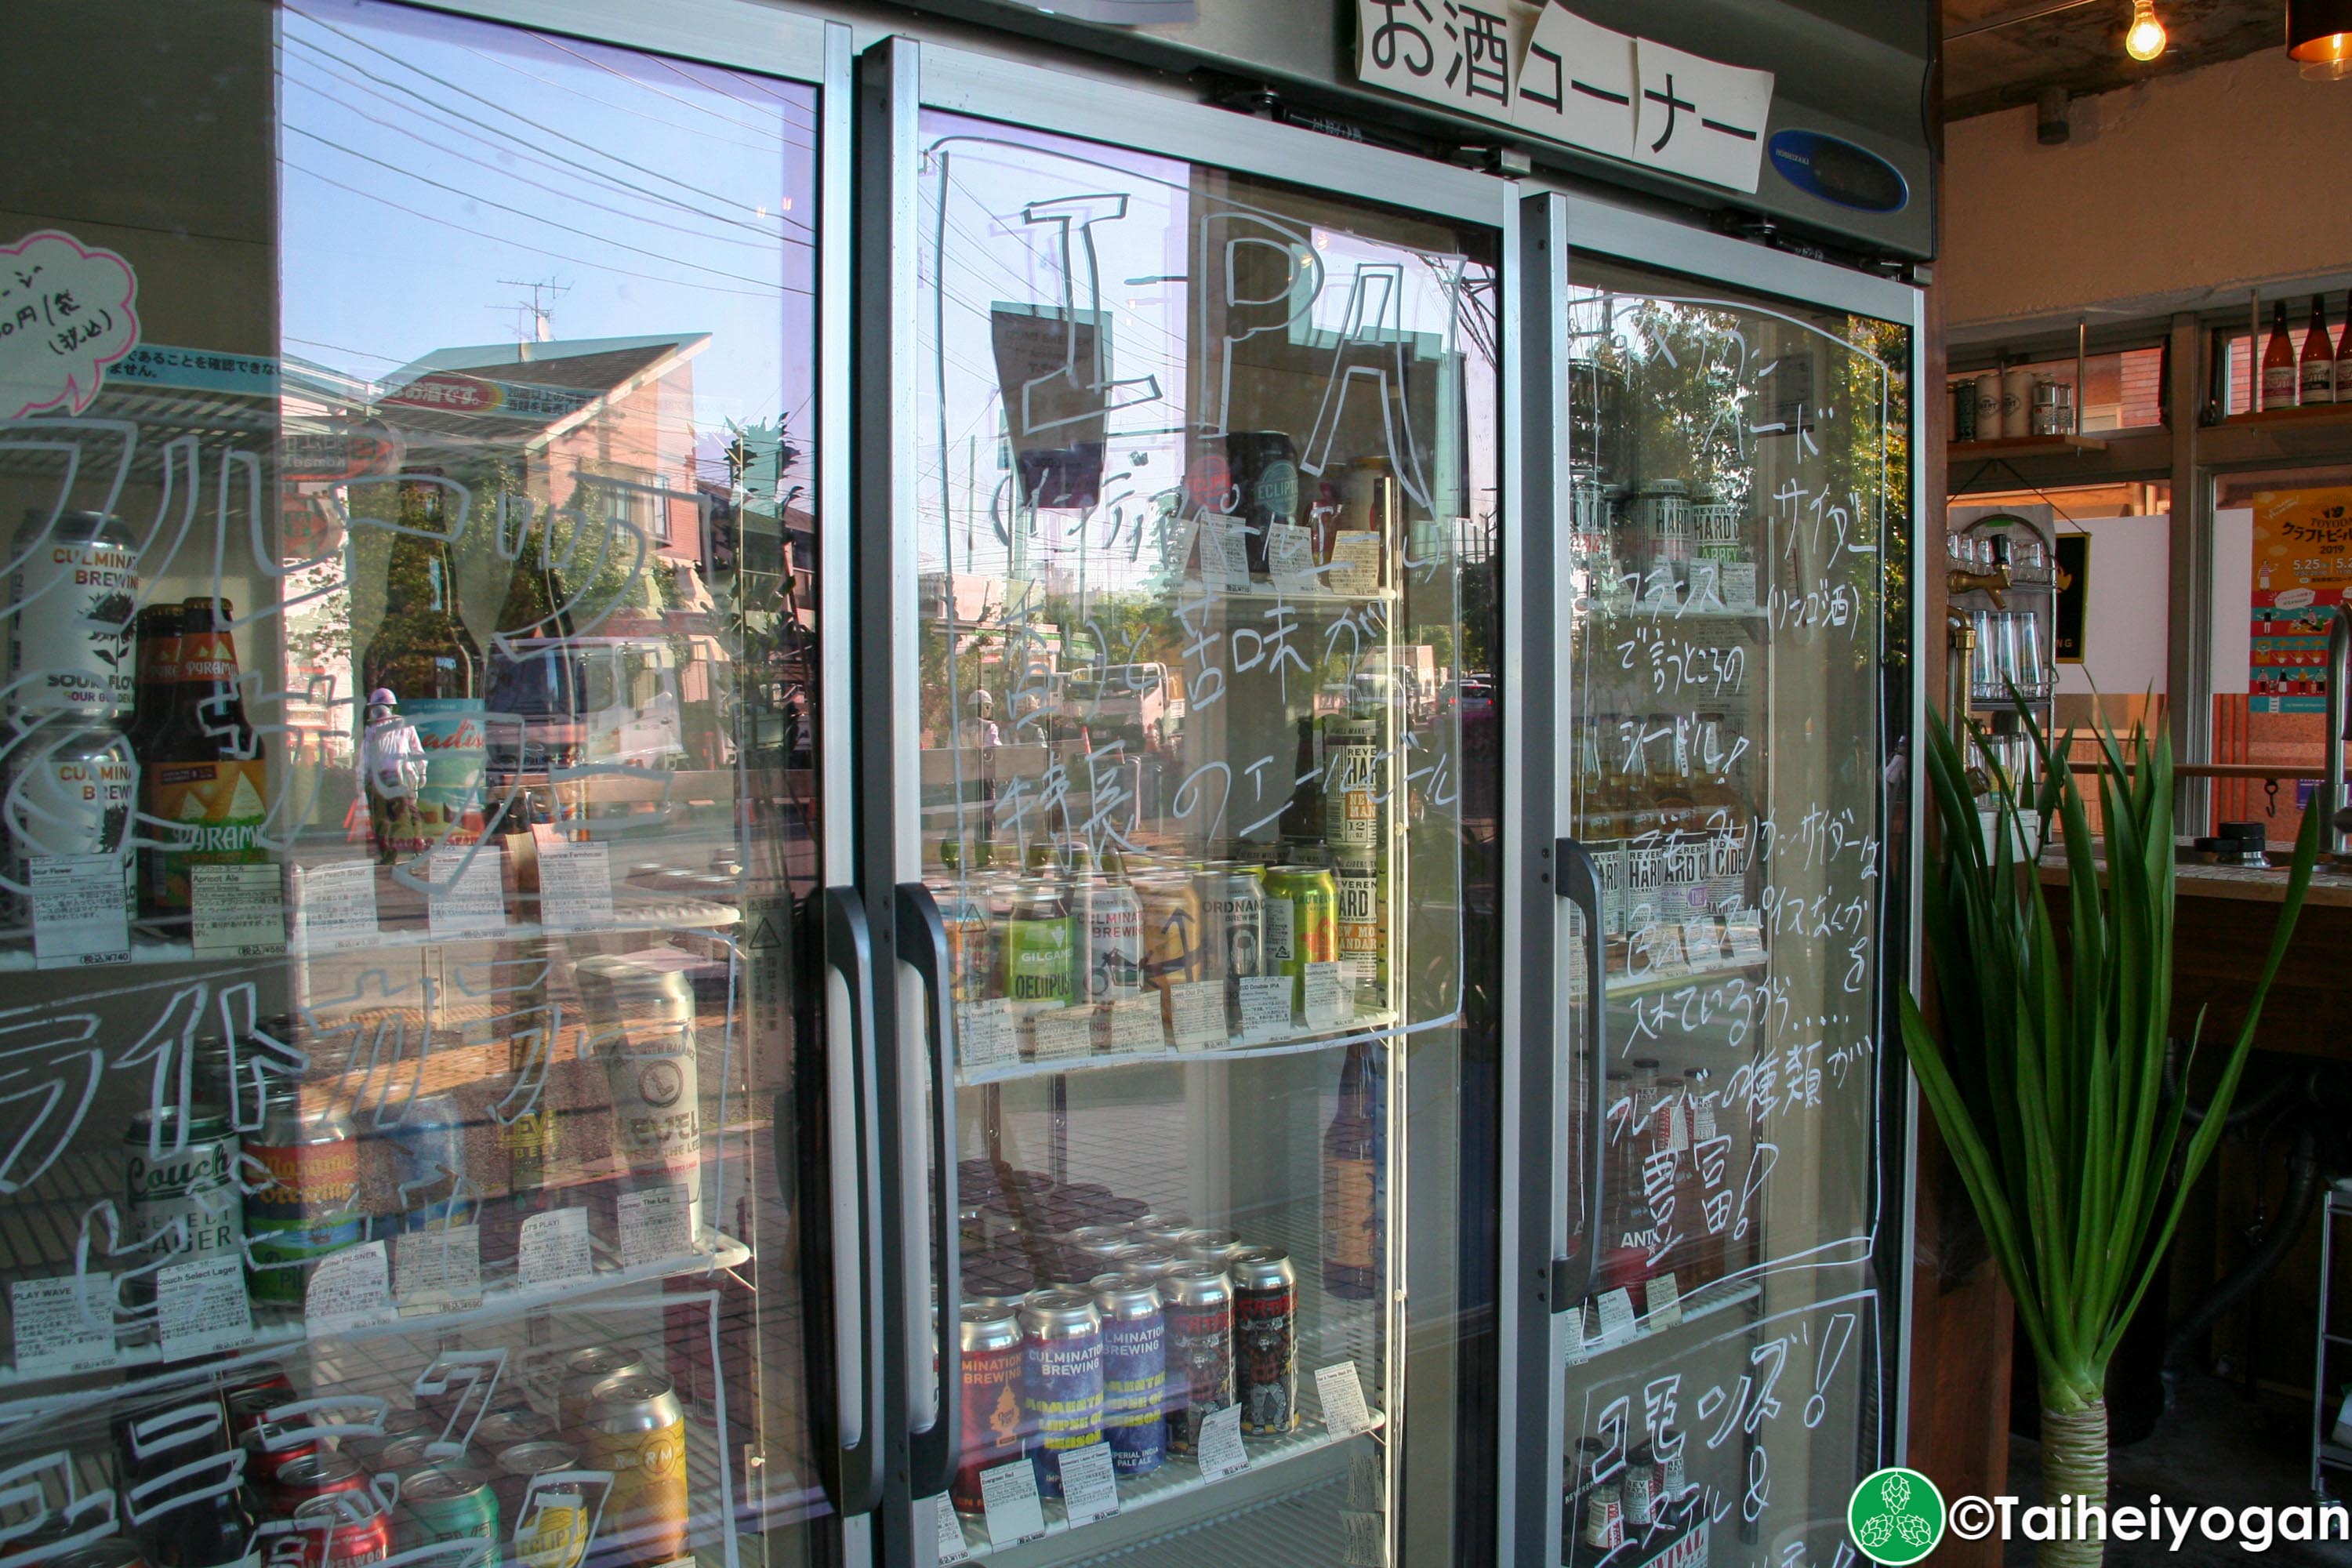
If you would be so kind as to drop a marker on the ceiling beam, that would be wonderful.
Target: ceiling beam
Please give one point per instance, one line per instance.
(2011, 18)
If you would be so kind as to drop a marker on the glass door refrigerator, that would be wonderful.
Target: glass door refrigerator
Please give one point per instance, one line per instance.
(428, 1068)
(1181, 763)
(1708, 1259)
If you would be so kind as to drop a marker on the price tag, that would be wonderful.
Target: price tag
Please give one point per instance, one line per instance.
(1367, 1480)
(656, 1225)
(1661, 947)
(334, 905)
(1737, 582)
(575, 887)
(79, 914)
(1266, 1005)
(1089, 1489)
(1236, 533)
(985, 1037)
(348, 1289)
(239, 911)
(1706, 587)
(1364, 1539)
(552, 1248)
(440, 1270)
(953, 1546)
(63, 1325)
(1616, 1315)
(1222, 1452)
(201, 1308)
(1355, 568)
(1176, 543)
(1198, 1009)
(1659, 589)
(1664, 1300)
(1136, 1027)
(1008, 1498)
(1330, 994)
(470, 890)
(1344, 1411)
(1210, 533)
(1290, 557)
(1062, 1032)
(1746, 937)
(1702, 942)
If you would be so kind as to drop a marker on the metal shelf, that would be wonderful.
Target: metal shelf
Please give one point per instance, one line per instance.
(1236, 1048)
(1719, 1297)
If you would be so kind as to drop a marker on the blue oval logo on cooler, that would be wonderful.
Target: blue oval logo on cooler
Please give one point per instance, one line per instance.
(1837, 171)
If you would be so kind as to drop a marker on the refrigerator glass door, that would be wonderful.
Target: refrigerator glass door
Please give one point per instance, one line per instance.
(1737, 472)
(1207, 749)
(422, 1171)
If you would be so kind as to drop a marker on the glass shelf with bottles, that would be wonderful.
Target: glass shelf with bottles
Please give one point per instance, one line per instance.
(1664, 550)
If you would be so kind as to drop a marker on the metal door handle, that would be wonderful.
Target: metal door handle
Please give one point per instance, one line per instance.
(1579, 883)
(923, 942)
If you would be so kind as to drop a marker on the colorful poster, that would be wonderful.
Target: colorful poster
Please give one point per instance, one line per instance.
(2303, 564)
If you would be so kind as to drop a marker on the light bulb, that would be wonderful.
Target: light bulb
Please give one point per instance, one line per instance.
(2145, 40)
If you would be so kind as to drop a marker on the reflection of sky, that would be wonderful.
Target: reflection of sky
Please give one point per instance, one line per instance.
(433, 168)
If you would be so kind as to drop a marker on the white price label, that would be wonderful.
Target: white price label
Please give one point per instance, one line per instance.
(1266, 1005)
(1236, 533)
(1616, 1309)
(1209, 534)
(1746, 937)
(1062, 1032)
(469, 889)
(1330, 994)
(239, 911)
(79, 916)
(985, 1036)
(1135, 1024)
(1176, 546)
(1355, 568)
(334, 905)
(656, 1225)
(1365, 1538)
(1344, 1410)
(952, 1547)
(1008, 1498)
(1706, 587)
(439, 1269)
(1737, 583)
(1280, 926)
(1199, 1010)
(575, 886)
(1664, 1300)
(552, 1248)
(1660, 950)
(201, 1308)
(1290, 557)
(1222, 1452)
(1089, 1487)
(1702, 942)
(64, 1324)
(348, 1289)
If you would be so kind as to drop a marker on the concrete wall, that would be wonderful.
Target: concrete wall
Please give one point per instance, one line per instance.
(2178, 194)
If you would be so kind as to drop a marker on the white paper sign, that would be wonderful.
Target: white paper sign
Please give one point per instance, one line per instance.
(985, 1037)
(1233, 534)
(1177, 542)
(1265, 1004)
(1737, 579)
(1222, 1452)
(55, 1336)
(575, 886)
(1700, 117)
(656, 1225)
(439, 1269)
(1702, 942)
(952, 1548)
(1090, 1488)
(239, 911)
(470, 890)
(1136, 1027)
(1330, 996)
(1355, 568)
(1704, 589)
(1364, 1539)
(1664, 1300)
(348, 1289)
(78, 915)
(1616, 1315)
(1577, 84)
(334, 905)
(201, 1308)
(1290, 557)
(1344, 1411)
(77, 312)
(1008, 1498)
(1466, 58)
(1209, 534)
(1746, 938)
(552, 1248)
(1198, 1009)
(1059, 1033)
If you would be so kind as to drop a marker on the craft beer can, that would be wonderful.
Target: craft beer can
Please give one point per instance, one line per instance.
(448, 1502)
(301, 1180)
(1302, 924)
(641, 1018)
(1265, 1340)
(1172, 935)
(974, 973)
(547, 1513)
(1062, 1388)
(73, 790)
(580, 1371)
(635, 1431)
(72, 600)
(1113, 914)
(1135, 1371)
(1199, 1301)
(1351, 783)
(992, 1363)
(181, 1170)
(1039, 949)
(346, 1530)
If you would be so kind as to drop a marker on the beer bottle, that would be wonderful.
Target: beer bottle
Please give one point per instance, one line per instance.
(1301, 828)
(423, 655)
(1351, 1220)
(159, 673)
(206, 776)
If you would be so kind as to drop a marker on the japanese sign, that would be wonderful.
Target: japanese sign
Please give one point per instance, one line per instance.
(1566, 79)
(2303, 564)
(67, 311)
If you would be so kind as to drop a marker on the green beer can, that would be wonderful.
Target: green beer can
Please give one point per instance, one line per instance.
(1302, 923)
(449, 1502)
(1039, 948)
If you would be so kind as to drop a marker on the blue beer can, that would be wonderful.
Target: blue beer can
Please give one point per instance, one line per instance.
(1135, 1371)
(1062, 1382)
(435, 1193)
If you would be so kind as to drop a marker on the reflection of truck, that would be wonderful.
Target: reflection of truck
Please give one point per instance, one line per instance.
(1126, 696)
(585, 701)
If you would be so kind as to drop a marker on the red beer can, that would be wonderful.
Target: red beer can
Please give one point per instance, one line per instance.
(993, 1363)
(304, 1479)
(346, 1530)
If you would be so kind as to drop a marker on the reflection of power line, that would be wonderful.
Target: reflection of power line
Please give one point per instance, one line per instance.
(669, 120)
(674, 98)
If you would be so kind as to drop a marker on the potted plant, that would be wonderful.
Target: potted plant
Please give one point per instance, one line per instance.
(2047, 1076)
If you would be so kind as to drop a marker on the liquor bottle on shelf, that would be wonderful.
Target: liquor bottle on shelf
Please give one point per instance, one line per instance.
(2317, 377)
(1351, 1157)
(159, 674)
(203, 773)
(2279, 377)
(2344, 357)
(1301, 826)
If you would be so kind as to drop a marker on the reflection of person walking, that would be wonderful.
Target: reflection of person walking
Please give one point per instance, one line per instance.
(392, 770)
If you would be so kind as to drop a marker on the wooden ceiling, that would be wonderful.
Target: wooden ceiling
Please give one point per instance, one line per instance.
(2081, 49)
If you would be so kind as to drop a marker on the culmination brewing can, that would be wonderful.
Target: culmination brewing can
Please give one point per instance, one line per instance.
(1062, 1395)
(72, 789)
(1265, 1340)
(73, 601)
(301, 1192)
(1200, 1328)
(993, 1360)
(1113, 919)
(1135, 1372)
(192, 1180)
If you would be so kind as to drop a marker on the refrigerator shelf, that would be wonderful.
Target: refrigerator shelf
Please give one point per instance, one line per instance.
(1193, 591)
(1621, 986)
(1365, 1026)
(1719, 1297)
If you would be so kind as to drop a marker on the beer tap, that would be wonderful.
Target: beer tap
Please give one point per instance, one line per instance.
(1995, 582)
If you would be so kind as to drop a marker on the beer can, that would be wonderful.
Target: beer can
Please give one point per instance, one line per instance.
(635, 1430)
(580, 1370)
(266, 1449)
(348, 1530)
(1351, 783)
(1233, 912)
(397, 1427)
(1171, 912)
(1199, 1318)
(547, 1521)
(1062, 1386)
(429, 1157)
(1215, 1248)
(1134, 1373)
(72, 789)
(302, 1178)
(641, 1018)
(1039, 949)
(409, 1452)
(1112, 915)
(1362, 921)
(1302, 923)
(973, 974)
(1265, 1340)
(255, 1393)
(992, 1362)
(501, 1430)
(1097, 1241)
(181, 1171)
(72, 604)
(1148, 1262)
(1163, 1227)
(301, 1478)
(112, 1552)
(448, 1502)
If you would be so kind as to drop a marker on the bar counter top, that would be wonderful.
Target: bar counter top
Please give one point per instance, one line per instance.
(2244, 884)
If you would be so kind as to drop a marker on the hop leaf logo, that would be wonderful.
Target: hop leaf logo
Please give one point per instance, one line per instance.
(1894, 1491)
(1877, 1530)
(1896, 1515)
